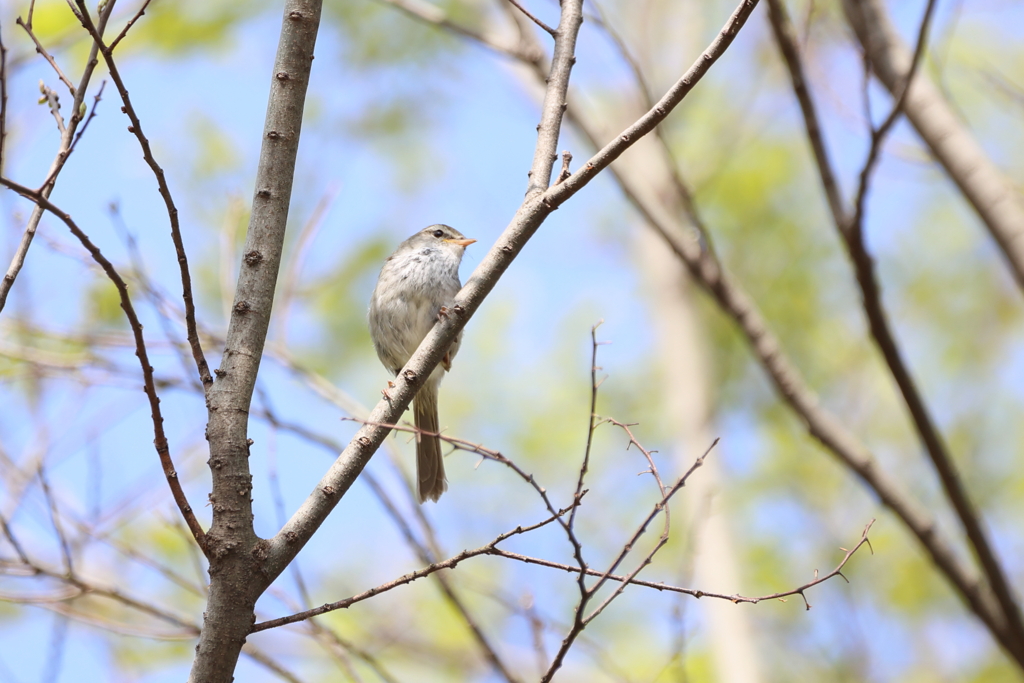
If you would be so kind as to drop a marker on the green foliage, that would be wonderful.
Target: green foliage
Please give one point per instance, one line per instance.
(376, 35)
(103, 306)
(185, 27)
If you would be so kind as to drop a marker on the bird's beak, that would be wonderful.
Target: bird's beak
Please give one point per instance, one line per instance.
(461, 243)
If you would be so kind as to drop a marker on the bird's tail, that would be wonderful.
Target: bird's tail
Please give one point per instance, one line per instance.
(429, 463)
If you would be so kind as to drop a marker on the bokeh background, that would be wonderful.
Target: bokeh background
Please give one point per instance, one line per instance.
(409, 124)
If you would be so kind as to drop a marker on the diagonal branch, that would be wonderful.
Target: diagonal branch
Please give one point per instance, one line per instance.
(547, 29)
(535, 209)
(553, 106)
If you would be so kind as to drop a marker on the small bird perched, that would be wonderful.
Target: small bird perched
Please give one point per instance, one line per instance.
(416, 283)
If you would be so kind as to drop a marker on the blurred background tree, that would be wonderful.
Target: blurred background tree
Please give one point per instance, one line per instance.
(425, 112)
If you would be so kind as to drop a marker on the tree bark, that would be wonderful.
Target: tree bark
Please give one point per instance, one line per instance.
(236, 554)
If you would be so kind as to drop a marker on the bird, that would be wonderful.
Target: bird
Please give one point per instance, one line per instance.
(416, 285)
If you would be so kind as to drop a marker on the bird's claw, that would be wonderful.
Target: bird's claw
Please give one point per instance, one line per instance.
(442, 312)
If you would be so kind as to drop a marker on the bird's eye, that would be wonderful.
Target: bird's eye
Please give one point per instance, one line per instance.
(439, 233)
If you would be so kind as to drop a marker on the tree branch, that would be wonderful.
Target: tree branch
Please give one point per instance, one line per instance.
(149, 386)
(1009, 629)
(237, 557)
(450, 563)
(164, 189)
(982, 184)
(63, 153)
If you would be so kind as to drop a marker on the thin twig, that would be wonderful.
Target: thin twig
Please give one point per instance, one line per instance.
(3, 99)
(128, 26)
(675, 176)
(660, 586)
(660, 507)
(550, 31)
(92, 115)
(881, 331)
(52, 100)
(172, 212)
(20, 254)
(58, 528)
(648, 455)
(553, 107)
(450, 563)
(580, 619)
(878, 135)
(785, 36)
(46, 55)
(565, 172)
(850, 227)
(160, 440)
(649, 121)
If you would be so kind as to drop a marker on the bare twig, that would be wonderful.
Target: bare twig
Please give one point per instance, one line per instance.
(160, 440)
(581, 619)
(52, 100)
(58, 528)
(646, 123)
(172, 212)
(986, 188)
(565, 172)
(648, 455)
(128, 26)
(3, 99)
(850, 226)
(785, 37)
(928, 432)
(18, 260)
(550, 31)
(878, 135)
(92, 115)
(46, 55)
(450, 563)
(735, 598)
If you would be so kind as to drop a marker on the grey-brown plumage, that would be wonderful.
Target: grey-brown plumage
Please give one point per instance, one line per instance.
(415, 282)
